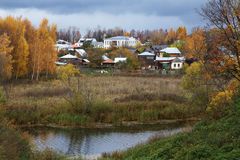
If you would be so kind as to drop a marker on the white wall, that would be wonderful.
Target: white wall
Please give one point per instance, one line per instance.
(120, 43)
(176, 65)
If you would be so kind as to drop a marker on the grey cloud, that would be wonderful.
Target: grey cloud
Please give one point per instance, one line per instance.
(158, 7)
(108, 13)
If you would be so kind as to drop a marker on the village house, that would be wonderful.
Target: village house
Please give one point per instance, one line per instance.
(169, 58)
(108, 63)
(146, 59)
(168, 63)
(73, 59)
(120, 60)
(177, 63)
(84, 40)
(91, 41)
(62, 45)
(120, 41)
(81, 53)
(70, 59)
(156, 49)
(171, 51)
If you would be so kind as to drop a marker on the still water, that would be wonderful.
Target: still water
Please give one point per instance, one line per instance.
(89, 142)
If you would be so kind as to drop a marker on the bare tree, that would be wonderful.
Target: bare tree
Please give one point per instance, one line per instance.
(72, 34)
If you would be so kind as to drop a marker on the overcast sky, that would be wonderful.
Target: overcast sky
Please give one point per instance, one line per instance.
(127, 14)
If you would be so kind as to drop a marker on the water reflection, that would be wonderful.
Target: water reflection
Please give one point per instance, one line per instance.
(97, 141)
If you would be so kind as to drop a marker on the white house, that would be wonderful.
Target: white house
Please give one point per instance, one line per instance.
(177, 64)
(62, 45)
(120, 59)
(120, 41)
(83, 40)
(93, 42)
(170, 62)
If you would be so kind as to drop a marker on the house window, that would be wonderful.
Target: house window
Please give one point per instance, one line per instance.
(174, 65)
(178, 65)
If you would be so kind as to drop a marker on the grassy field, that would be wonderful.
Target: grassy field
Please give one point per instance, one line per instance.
(209, 140)
(102, 99)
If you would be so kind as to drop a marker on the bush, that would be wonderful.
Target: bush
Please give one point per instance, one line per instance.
(2, 96)
(68, 119)
(47, 155)
(221, 101)
(12, 146)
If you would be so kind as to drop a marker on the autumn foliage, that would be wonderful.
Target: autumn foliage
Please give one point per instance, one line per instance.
(26, 51)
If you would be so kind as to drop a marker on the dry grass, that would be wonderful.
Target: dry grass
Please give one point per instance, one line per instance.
(118, 88)
(113, 89)
(102, 99)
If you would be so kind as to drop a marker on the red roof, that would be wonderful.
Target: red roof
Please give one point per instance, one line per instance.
(108, 61)
(75, 46)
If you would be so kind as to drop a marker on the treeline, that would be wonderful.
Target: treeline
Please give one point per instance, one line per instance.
(158, 36)
(26, 50)
(72, 34)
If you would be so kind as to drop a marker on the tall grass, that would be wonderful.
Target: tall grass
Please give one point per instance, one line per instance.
(99, 99)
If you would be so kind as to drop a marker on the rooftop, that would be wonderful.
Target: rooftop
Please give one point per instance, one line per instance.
(118, 38)
(108, 61)
(170, 59)
(146, 54)
(171, 50)
(68, 56)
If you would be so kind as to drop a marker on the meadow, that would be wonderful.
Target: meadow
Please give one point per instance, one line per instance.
(89, 100)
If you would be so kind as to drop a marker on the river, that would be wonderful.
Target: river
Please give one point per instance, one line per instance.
(94, 142)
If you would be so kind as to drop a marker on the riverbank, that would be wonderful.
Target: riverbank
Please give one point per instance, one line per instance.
(112, 126)
(99, 102)
(209, 139)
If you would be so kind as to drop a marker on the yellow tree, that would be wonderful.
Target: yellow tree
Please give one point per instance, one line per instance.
(195, 44)
(32, 40)
(181, 33)
(47, 54)
(52, 54)
(158, 36)
(21, 58)
(5, 58)
(5, 64)
(171, 36)
(15, 29)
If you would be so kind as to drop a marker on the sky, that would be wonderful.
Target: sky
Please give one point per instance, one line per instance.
(90, 14)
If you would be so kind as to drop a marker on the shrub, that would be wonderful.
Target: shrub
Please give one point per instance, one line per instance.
(221, 101)
(12, 146)
(2, 96)
(47, 155)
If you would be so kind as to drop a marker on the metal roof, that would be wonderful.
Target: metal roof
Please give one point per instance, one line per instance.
(68, 56)
(170, 59)
(119, 38)
(146, 54)
(171, 50)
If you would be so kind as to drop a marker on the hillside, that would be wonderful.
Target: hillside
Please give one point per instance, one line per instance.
(210, 139)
